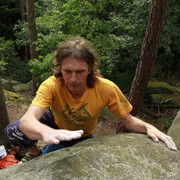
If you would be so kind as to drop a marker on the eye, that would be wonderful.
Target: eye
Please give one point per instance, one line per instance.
(67, 71)
(80, 71)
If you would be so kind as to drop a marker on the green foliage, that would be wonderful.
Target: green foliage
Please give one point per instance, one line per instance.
(11, 64)
(169, 50)
(115, 28)
(2, 66)
(21, 34)
(9, 14)
(42, 67)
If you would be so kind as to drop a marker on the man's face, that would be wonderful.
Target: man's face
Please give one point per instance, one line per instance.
(75, 72)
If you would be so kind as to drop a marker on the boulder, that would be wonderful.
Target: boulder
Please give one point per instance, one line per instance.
(120, 156)
(11, 95)
(174, 130)
(165, 99)
(7, 84)
(21, 87)
(160, 88)
(15, 86)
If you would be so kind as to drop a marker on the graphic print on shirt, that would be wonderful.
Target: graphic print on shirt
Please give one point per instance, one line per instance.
(122, 100)
(77, 117)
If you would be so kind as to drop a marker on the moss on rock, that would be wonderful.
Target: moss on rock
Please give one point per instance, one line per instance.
(120, 156)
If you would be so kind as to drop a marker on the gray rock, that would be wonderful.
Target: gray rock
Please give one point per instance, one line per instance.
(116, 157)
(21, 87)
(174, 130)
(7, 85)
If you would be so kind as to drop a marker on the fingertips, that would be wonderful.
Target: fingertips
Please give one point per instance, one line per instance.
(153, 137)
(77, 134)
(52, 140)
(171, 145)
(80, 132)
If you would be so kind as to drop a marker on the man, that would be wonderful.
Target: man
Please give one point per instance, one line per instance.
(67, 105)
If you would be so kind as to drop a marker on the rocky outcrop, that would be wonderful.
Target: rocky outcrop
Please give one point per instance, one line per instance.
(15, 86)
(174, 130)
(116, 157)
(162, 93)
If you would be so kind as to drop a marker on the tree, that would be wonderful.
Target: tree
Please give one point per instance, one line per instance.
(157, 19)
(4, 119)
(32, 34)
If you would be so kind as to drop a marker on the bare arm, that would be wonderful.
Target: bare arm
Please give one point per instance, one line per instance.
(35, 130)
(136, 125)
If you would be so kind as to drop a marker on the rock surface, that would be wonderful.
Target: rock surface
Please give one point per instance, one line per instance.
(174, 130)
(115, 157)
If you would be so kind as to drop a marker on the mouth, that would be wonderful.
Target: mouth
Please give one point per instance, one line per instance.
(73, 85)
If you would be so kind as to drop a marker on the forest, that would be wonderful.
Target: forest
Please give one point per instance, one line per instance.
(115, 28)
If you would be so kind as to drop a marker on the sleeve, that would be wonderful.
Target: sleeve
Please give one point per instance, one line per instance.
(44, 96)
(117, 103)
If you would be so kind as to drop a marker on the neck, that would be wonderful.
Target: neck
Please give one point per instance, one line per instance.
(76, 95)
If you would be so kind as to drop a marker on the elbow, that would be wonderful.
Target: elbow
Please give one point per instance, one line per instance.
(22, 124)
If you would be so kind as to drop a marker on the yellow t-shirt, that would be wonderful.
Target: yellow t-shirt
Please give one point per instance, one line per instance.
(82, 113)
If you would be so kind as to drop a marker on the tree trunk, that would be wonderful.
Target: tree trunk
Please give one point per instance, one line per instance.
(4, 119)
(32, 34)
(157, 19)
(21, 3)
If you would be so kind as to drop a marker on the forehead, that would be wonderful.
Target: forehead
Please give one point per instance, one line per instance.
(74, 63)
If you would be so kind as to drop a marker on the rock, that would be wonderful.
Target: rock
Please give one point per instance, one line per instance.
(167, 99)
(174, 130)
(160, 88)
(116, 157)
(21, 87)
(7, 85)
(15, 86)
(30, 84)
(10, 95)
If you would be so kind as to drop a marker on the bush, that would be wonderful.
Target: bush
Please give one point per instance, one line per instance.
(10, 64)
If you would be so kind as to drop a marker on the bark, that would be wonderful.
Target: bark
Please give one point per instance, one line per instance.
(32, 34)
(21, 3)
(157, 19)
(4, 119)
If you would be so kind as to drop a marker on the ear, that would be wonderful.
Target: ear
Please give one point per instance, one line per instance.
(90, 69)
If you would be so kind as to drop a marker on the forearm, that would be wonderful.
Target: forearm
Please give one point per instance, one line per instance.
(30, 124)
(32, 128)
(135, 125)
(35, 130)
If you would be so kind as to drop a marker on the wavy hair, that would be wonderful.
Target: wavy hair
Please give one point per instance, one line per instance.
(77, 48)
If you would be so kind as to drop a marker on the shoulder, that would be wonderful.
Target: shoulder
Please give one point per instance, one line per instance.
(105, 83)
(52, 81)
(51, 84)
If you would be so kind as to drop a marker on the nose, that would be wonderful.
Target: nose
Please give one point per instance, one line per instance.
(73, 78)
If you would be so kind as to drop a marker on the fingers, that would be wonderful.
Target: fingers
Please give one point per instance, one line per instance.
(169, 142)
(164, 138)
(153, 137)
(51, 140)
(61, 135)
(65, 135)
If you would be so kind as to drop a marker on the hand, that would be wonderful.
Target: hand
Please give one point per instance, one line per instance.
(157, 135)
(55, 136)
